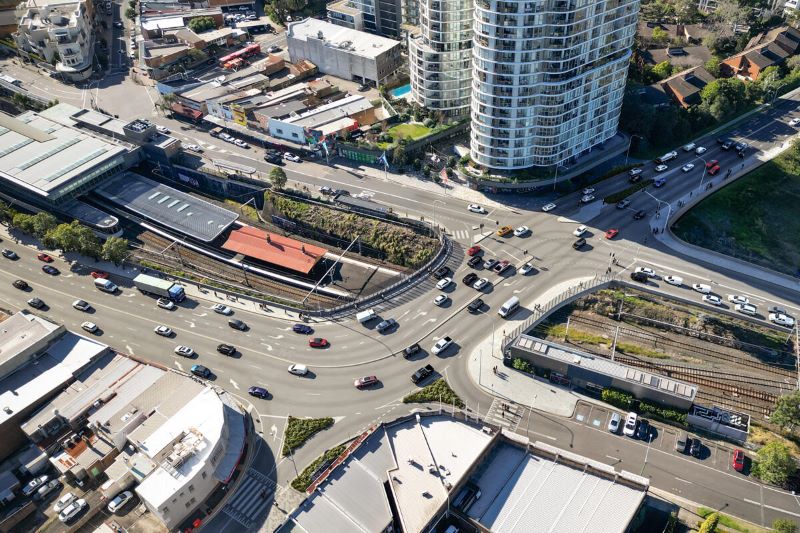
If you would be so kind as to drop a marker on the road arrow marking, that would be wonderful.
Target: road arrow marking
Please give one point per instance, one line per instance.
(274, 432)
(235, 385)
(130, 350)
(179, 366)
(269, 348)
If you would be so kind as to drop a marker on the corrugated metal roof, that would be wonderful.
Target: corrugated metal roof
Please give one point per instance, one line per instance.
(275, 249)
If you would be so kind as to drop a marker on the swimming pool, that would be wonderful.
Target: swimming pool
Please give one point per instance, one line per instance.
(399, 92)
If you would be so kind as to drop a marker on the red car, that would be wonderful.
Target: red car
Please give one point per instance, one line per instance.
(368, 381)
(738, 460)
(610, 234)
(711, 163)
(44, 257)
(317, 342)
(100, 274)
(713, 170)
(474, 250)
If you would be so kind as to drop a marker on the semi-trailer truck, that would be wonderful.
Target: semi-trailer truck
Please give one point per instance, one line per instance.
(159, 287)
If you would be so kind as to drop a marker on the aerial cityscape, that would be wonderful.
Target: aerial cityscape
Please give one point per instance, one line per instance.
(449, 266)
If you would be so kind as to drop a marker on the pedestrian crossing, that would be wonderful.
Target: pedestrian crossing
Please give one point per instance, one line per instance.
(459, 234)
(506, 414)
(250, 498)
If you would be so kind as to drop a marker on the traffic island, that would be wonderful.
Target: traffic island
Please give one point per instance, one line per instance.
(299, 430)
(438, 391)
(307, 476)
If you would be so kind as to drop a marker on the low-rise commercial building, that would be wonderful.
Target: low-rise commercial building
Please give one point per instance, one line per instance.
(336, 118)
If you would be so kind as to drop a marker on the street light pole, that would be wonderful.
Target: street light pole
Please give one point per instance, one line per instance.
(669, 206)
(705, 167)
(434, 211)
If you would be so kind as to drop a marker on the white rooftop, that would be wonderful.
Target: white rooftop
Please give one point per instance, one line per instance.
(339, 37)
(167, 23)
(19, 333)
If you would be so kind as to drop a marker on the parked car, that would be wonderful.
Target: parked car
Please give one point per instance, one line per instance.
(160, 129)
(629, 429)
(34, 485)
(318, 342)
(480, 284)
(470, 278)
(649, 272)
(411, 350)
(696, 448)
(63, 501)
(781, 319)
(44, 257)
(291, 157)
(614, 422)
(643, 429)
(794, 122)
(548, 207)
(681, 442)
(226, 349)
(640, 277)
(441, 272)
(99, 274)
(746, 309)
(21, 285)
(258, 392)
(221, 309)
(474, 261)
(501, 267)
(72, 510)
(738, 299)
(366, 381)
(444, 283)
(674, 280)
(119, 501)
(490, 263)
(304, 329)
(473, 250)
(441, 299)
(580, 243)
(36, 303)
(526, 268)
(441, 345)
(737, 460)
(386, 325)
(193, 148)
(298, 369)
(613, 232)
(778, 310)
(475, 305)
(580, 230)
(201, 371)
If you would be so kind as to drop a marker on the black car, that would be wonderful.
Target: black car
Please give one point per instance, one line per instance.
(638, 215)
(226, 349)
(475, 305)
(9, 254)
(275, 159)
(441, 272)
(696, 448)
(641, 277)
(19, 284)
(36, 303)
(474, 261)
(643, 429)
(235, 323)
(422, 373)
(470, 278)
(411, 350)
(53, 271)
(635, 178)
(580, 243)
(200, 370)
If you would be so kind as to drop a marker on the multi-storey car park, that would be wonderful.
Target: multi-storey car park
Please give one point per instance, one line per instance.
(548, 78)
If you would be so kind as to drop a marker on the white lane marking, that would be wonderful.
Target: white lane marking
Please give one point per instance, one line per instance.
(545, 436)
(130, 350)
(684, 480)
(269, 347)
(614, 458)
(180, 367)
(235, 385)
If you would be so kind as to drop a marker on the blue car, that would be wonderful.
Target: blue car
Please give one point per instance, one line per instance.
(258, 392)
(200, 370)
(302, 328)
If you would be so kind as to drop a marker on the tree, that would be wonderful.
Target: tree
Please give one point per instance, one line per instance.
(399, 157)
(775, 464)
(660, 37)
(23, 222)
(784, 525)
(663, 70)
(712, 66)
(201, 24)
(685, 11)
(130, 13)
(709, 525)
(6, 211)
(115, 249)
(278, 177)
(42, 223)
(88, 243)
(787, 411)
(64, 237)
(723, 97)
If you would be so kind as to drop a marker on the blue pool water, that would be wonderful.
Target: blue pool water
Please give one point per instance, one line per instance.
(399, 92)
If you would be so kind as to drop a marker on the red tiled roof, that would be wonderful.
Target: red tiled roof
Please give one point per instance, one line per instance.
(274, 248)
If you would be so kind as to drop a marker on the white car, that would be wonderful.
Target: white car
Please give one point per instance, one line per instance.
(781, 319)
(441, 299)
(241, 144)
(737, 299)
(580, 230)
(444, 283)
(298, 370)
(119, 501)
(165, 303)
(475, 208)
(700, 150)
(548, 207)
(526, 268)
(184, 351)
(647, 271)
(689, 147)
(794, 122)
(221, 309)
(193, 148)
(81, 305)
(586, 198)
(34, 484)
(712, 299)
(522, 230)
(702, 288)
(746, 309)
(71, 511)
(661, 168)
(480, 284)
(160, 129)
(164, 331)
(674, 280)
(588, 190)
(291, 157)
(629, 429)
(441, 345)
(687, 167)
(63, 501)
(91, 327)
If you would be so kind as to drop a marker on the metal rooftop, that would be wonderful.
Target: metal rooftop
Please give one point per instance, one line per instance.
(339, 37)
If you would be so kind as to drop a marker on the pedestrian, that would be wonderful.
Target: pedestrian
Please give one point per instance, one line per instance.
(503, 414)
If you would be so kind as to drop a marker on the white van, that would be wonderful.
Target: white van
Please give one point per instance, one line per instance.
(366, 316)
(105, 285)
(509, 307)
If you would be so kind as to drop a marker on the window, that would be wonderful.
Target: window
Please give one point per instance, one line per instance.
(204, 475)
(279, 130)
(191, 488)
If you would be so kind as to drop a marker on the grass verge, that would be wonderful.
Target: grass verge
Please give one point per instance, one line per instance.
(624, 193)
(248, 211)
(302, 481)
(729, 522)
(576, 335)
(409, 131)
(438, 391)
(299, 430)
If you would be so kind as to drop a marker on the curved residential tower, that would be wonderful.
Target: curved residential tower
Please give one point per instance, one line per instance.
(548, 78)
(440, 62)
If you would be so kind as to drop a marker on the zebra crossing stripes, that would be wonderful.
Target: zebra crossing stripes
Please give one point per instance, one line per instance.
(459, 234)
(249, 500)
(506, 414)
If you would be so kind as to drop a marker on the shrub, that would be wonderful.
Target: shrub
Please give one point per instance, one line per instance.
(709, 525)
(783, 525)
(522, 365)
(302, 481)
(438, 391)
(299, 430)
(617, 398)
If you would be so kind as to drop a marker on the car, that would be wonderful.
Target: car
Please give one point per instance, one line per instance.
(386, 325)
(696, 448)
(444, 283)
(794, 122)
(776, 318)
(629, 429)
(117, 24)
(99, 274)
(700, 150)
(258, 392)
(649, 272)
(72, 510)
(318, 342)
(638, 215)
(737, 460)
(580, 230)
(635, 178)
(687, 167)
(548, 207)
(50, 269)
(291, 157)
(165, 303)
(81, 305)
(740, 146)
(305, 329)
(240, 143)
(201, 371)
(441, 345)
(711, 163)
(34, 485)
(661, 168)
(44, 257)
(726, 145)
(505, 230)
(91, 327)
(411, 350)
(501, 267)
(422, 373)
(746, 309)
(522, 230)
(490, 263)
(640, 277)
(193, 148)
(36, 303)
(235, 323)
(273, 49)
(702, 288)
(184, 351)
(119, 501)
(164, 331)
(226, 349)
(441, 299)
(298, 369)
(474, 250)
(681, 441)
(366, 381)
(475, 208)
(588, 190)
(622, 204)
(474, 261)
(643, 429)
(526, 269)
(635, 172)
(587, 198)
(470, 278)
(44, 490)
(480, 284)
(441, 272)
(613, 232)
(689, 147)
(738, 299)
(160, 129)
(712, 299)
(674, 280)
(20, 284)
(778, 310)
(714, 170)
(221, 309)
(580, 243)
(63, 501)
(613, 422)
(9, 254)
(660, 182)
(475, 305)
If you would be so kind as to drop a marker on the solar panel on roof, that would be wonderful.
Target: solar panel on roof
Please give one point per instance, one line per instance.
(163, 199)
(181, 208)
(176, 201)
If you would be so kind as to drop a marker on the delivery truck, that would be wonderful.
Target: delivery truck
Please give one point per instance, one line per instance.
(159, 287)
